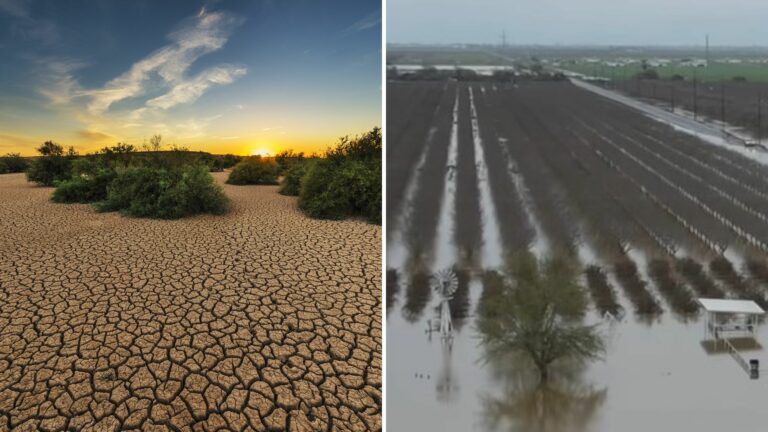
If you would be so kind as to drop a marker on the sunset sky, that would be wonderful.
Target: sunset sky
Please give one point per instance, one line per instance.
(220, 76)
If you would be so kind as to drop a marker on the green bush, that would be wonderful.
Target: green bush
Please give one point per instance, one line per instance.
(347, 182)
(52, 166)
(48, 170)
(164, 193)
(84, 188)
(254, 170)
(292, 180)
(12, 163)
(218, 163)
(286, 159)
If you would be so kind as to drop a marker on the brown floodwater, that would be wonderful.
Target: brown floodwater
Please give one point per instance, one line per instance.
(656, 375)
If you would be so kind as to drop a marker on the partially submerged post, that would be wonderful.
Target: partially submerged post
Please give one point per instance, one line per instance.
(728, 318)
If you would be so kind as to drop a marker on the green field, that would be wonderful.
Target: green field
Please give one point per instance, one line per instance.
(716, 71)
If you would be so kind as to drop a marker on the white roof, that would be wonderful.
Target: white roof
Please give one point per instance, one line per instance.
(731, 306)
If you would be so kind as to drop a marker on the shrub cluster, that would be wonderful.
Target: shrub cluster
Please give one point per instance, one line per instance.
(53, 165)
(254, 170)
(166, 185)
(12, 163)
(627, 275)
(287, 159)
(164, 193)
(291, 184)
(602, 292)
(347, 182)
(679, 298)
(218, 163)
(698, 278)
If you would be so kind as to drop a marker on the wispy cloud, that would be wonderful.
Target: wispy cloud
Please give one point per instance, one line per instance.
(189, 90)
(158, 82)
(95, 135)
(8, 141)
(205, 33)
(60, 83)
(367, 22)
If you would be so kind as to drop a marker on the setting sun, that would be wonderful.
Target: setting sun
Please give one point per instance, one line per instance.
(262, 151)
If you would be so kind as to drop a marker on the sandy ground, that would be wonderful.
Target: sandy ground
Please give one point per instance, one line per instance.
(261, 319)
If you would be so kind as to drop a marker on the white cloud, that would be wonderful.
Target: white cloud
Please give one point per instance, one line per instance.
(61, 84)
(369, 21)
(205, 33)
(189, 90)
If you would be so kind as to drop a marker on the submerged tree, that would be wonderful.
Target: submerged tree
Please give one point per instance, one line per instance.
(564, 403)
(539, 315)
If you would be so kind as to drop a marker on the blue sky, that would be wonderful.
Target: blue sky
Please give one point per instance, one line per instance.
(222, 76)
(603, 22)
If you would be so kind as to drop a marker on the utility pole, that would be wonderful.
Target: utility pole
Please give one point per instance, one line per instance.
(695, 107)
(503, 39)
(706, 50)
(672, 98)
(759, 118)
(624, 77)
(722, 104)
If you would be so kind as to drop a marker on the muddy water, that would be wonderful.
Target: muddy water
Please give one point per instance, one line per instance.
(654, 376)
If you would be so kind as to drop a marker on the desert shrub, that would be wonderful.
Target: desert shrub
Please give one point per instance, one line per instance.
(332, 191)
(84, 188)
(286, 159)
(254, 170)
(291, 184)
(52, 166)
(347, 182)
(221, 162)
(164, 193)
(12, 163)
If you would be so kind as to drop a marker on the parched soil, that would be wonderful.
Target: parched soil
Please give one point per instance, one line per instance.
(261, 319)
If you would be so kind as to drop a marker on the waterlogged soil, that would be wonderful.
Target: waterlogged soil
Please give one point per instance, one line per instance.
(571, 173)
(260, 319)
(655, 375)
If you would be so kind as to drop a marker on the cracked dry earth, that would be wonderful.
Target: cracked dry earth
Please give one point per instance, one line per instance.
(261, 319)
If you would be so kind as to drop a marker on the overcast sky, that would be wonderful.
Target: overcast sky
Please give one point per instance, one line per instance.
(603, 22)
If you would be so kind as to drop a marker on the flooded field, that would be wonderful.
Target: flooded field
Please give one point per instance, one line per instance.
(655, 218)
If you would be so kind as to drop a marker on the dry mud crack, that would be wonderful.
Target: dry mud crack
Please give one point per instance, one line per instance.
(261, 319)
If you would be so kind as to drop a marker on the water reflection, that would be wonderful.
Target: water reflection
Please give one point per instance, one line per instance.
(445, 284)
(459, 303)
(562, 403)
(417, 295)
(393, 288)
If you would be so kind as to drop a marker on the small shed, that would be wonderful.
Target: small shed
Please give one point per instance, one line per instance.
(730, 317)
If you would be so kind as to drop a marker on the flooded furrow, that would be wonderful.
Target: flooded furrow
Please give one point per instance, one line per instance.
(492, 252)
(445, 245)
